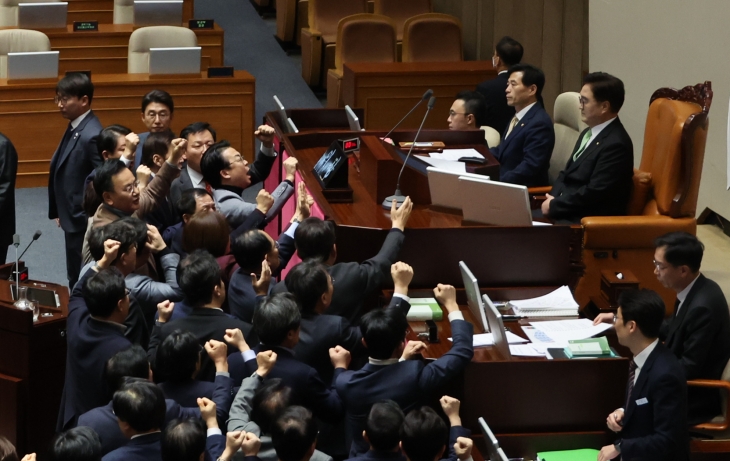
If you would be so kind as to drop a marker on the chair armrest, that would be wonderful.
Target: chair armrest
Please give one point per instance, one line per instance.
(536, 201)
(311, 56)
(541, 190)
(614, 232)
(716, 384)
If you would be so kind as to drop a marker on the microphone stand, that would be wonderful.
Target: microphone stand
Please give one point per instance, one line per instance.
(16, 244)
(427, 94)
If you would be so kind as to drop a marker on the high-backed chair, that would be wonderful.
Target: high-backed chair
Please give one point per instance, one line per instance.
(717, 430)
(286, 18)
(360, 38)
(432, 37)
(9, 11)
(318, 40)
(123, 11)
(400, 11)
(144, 38)
(492, 136)
(665, 193)
(20, 40)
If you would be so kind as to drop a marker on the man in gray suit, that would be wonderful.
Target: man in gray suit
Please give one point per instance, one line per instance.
(75, 157)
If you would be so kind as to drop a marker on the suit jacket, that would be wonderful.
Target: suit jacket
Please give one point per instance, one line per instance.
(599, 183)
(8, 170)
(180, 184)
(699, 337)
(149, 292)
(143, 448)
(374, 455)
(655, 419)
(499, 114)
(354, 281)
(90, 343)
(138, 152)
(308, 389)
(68, 171)
(236, 210)
(524, 157)
(205, 324)
(408, 383)
(187, 392)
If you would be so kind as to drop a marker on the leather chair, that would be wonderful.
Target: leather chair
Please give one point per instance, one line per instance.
(20, 40)
(286, 18)
(714, 434)
(144, 38)
(665, 193)
(492, 136)
(400, 11)
(360, 38)
(432, 37)
(319, 39)
(9, 11)
(123, 11)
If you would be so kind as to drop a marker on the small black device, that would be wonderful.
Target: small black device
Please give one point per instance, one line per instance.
(200, 24)
(433, 332)
(45, 297)
(222, 71)
(331, 171)
(86, 26)
(478, 160)
(349, 145)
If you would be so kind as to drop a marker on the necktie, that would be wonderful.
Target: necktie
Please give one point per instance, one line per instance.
(676, 308)
(511, 125)
(65, 140)
(583, 144)
(632, 376)
(208, 188)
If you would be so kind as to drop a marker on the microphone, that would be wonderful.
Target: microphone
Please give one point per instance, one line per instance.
(398, 196)
(426, 95)
(16, 242)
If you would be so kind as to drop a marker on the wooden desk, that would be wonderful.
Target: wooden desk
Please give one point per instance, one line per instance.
(32, 369)
(32, 122)
(387, 91)
(103, 10)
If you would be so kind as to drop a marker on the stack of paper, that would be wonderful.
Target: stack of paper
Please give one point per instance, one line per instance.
(562, 331)
(559, 303)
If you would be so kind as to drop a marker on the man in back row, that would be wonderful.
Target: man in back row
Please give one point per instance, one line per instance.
(507, 53)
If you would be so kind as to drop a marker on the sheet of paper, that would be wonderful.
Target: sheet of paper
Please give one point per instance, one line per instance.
(487, 339)
(448, 165)
(566, 330)
(540, 341)
(455, 154)
(561, 298)
(524, 350)
(540, 223)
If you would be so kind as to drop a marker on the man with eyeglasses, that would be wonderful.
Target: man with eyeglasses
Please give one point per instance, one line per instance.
(157, 111)
(698, 331)
(597, 180)
(467, 112)
(75, 157)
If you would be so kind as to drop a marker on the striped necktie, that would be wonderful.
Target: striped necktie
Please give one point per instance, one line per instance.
(511, 125)
(632, 378)
(583, 144)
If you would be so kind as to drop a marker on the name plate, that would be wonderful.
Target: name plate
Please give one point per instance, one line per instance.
(224, 71)
(201, 24)
(86, 26)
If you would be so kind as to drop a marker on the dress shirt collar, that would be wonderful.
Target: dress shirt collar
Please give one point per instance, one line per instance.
(640, 358)
(524, 111)
(373, 361)
(596, 130)
(195, 177)
(503, 72)
(682, 295)
(146, 433)
(75, 122)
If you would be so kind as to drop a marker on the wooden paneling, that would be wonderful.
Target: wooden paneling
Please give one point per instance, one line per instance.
(27, 110)
(103, 10)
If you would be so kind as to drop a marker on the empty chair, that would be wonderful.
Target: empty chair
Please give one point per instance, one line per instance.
(400, 11)
(145, 38)
(20, 40)
(123, 11)
(360, 38)
(432, 37)
(318, 40)
(9, 11)
(492, 136)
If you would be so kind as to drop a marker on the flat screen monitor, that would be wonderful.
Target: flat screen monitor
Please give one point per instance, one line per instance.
(494, 317)
(181, 60)
(282, 114)
(292, 127)
(444, 187)
(47, 15)
(476, 306)
(158, 13)
(493, 202)
(490, 440)
(33, 64)
(352, 119)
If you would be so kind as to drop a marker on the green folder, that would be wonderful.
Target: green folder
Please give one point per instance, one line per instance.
(585, 454)
(421, 306)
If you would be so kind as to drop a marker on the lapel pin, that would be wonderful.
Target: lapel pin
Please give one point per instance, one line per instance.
(522, 124)
(76, 135)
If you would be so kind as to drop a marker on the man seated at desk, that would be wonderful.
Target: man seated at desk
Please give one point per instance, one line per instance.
(467, 111)
(597, 179)
(526, 147)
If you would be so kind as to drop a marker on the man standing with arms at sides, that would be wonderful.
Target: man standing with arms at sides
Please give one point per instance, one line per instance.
(8, 170)
(75, 157)
(157, 109)
(507, 53)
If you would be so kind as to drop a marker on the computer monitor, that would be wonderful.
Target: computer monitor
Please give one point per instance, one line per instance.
(33, 64)
(352, 119)
(282, 114)
(158, 13)
(180, 60)
(494, 317)
(292, 127)
(493, 202)
(476, 306)
(490, 440)
(47, 15)
(444, 187)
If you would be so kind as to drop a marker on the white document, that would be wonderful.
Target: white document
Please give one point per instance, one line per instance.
(487, 339)
(525, 350)
(455, 154)
(566, 330)
(561, 298)
(448, 165)
(541, 341)
(540, 223)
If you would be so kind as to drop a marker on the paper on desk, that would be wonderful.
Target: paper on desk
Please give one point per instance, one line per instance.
(540, 341)
(487, 339)
(540, 223)
(566, 330)
(455, 154)
(525, 350)
(448, 165)
(561, 298)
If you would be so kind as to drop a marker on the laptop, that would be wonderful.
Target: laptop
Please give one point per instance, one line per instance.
(490, 440)
(182, 60)
(444, 187)
(494, 317)
(291, 126)
(496, 203)
(476, 306)
(352, 119)
(158, 13)
(33, 64)
(50, 15)
(282, 114)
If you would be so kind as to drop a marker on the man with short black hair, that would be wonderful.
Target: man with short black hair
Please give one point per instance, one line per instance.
(178, 362)
(382, 432)
(597, 180)
(423, 433)
(526, 146)
(75, 157)
(76, 444)
(200, 136)
(467, 112)
(507, 53)
(294, 435)
(653, 423)
(157, 112)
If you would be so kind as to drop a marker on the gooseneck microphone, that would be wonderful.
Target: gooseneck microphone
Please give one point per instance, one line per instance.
(425, 96)
(398, 196)
(16, 242)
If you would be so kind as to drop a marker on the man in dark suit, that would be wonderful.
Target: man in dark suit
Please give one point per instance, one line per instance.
(75, 157)
(157, 112)
(382, 433)
(652, 425)
(390, 375)
(507, 53)
(77, 443)
(200, 281)
(597, 178)
(8, 170)
(467, 112)
(200, 136)
(423, 434)
(526, 146)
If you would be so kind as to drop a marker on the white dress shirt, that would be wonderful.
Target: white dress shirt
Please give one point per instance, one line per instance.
(75, 122)
(682, 295)
(640, 358)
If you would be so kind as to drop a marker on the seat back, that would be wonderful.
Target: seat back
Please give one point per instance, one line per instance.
(123, 11)
(492, 136)
(20, 40)
(365, 38)
(568, 125)
(325, 15)
(9, 11)
(674, 148)
(401, 10)
(432, 37)
(145, 38)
